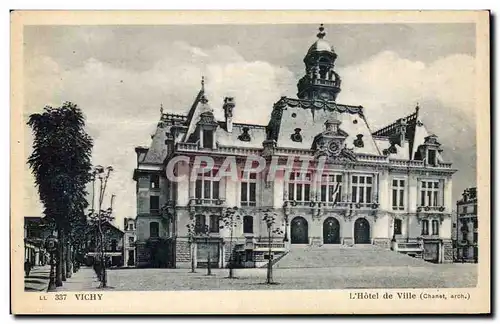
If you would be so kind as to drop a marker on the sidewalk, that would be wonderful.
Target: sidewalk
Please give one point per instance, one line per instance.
(38, 279)
(84, 279)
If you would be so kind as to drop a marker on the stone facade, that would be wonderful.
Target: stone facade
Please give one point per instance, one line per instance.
(390, 188)
(465, 228)
(129, 240)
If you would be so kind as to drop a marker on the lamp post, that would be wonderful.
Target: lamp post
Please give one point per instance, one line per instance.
(101, 216)
(51, 246)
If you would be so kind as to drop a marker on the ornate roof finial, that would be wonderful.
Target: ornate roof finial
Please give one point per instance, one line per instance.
(161, 108)
(321, 33)
(203, 98)
(417, 108)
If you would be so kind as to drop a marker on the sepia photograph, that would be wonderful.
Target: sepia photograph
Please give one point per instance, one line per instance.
(315, 154)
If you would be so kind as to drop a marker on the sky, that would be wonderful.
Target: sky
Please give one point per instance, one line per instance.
(120, 75)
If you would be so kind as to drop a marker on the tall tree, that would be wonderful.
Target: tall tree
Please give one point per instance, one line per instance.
(60, 163)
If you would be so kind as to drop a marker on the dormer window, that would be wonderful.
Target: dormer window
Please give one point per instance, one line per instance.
(244, 137)
(208, 138)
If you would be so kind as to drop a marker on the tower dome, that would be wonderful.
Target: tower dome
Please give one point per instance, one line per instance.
(321, 45)
(320, 81)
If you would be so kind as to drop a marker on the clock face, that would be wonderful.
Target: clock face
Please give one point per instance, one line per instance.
(324, 95)
(334, 148)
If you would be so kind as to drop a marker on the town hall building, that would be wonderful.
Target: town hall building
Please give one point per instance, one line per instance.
(389, 188)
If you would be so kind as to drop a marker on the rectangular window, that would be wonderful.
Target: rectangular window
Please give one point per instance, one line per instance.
(154, 204)
(249, 190)
(430, 193)
(331, 188)
(208, 138)
(207, 187)
(155, 181)
(435, 227)
(398, 224)
(361, 189)
(398, 194)
(200, 224)
(299, 187)
(154, 229)
(432, 157)
(214, 224)
(425, 227)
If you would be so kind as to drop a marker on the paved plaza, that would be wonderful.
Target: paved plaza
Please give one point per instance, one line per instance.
(429, 276)
(301, 268)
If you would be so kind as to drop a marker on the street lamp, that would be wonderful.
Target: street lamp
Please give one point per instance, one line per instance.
(51, 247)
(101, 173)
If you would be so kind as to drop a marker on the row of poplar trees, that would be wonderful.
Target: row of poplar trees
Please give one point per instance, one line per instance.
(61, 163)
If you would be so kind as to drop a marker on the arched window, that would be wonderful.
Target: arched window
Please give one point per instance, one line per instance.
(154, 229)
(248, 224)
(398, 224)
(425, 227)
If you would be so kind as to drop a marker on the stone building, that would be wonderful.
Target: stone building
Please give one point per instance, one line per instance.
(113, 247)
(129, 239)
(465, 227)
(389, 187)
(36, 231)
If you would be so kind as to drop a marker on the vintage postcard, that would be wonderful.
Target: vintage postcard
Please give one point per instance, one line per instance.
(260, 162)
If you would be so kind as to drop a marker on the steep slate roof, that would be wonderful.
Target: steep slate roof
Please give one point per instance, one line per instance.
(415, 135)
(257, 135)
(310, 116)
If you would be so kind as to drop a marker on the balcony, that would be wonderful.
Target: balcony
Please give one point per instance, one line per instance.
(330, 205)
(431, 209)
(206, 202)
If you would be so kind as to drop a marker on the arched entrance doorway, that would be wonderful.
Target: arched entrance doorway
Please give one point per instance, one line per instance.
(331, 231)
(361, 231)
(299, 231)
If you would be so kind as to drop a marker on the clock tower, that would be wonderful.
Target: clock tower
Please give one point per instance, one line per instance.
(320, 82)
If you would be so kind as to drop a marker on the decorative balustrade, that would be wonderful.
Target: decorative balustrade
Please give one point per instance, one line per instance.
(371, 158)
(233, 150)
(330, 205)
(416, 163)
(431, 209)
(324, 82)
(182, 146)
(220, 149)
(206, 202)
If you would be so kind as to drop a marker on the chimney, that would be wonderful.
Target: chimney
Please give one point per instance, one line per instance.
(228, 112)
